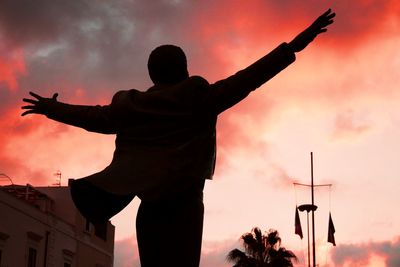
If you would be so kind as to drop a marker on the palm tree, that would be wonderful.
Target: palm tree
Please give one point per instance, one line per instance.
(261, 250)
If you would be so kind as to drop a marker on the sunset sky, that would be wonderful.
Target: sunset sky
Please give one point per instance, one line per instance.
(340, 100)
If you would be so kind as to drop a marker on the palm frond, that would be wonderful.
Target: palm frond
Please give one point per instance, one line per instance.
(258, 234)
(261, 250)
(287, 254)
(273, 238)
(281, 258)
(241, 259)
(236, 255)
(250, 244)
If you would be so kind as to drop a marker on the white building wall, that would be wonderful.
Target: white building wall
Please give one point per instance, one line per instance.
(20, 222)
(24, 226)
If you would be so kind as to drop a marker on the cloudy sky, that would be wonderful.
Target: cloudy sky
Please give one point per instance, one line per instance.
(339, 100)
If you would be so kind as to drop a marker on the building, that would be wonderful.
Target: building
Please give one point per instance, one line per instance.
(40, 226)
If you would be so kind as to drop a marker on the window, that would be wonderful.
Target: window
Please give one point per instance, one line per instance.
(100, 230)
(87, 226)
(3, 240)
(33, 244)
(68, 256)
(32, 253)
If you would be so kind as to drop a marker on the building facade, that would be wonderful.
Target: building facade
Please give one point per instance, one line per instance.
(40, 226)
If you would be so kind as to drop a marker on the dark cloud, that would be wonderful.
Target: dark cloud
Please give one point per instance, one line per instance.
(104, 45)
(84, 50)
(360, 253)
(42, 21)
(96, 45)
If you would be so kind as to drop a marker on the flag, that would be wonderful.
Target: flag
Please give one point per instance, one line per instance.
(331, 231)
(297, 225)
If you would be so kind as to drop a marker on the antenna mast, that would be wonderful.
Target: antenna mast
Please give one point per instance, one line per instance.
(312, 208)
(58, 180)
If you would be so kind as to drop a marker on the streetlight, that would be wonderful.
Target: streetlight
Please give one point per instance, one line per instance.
(311, 207)
(308, 208)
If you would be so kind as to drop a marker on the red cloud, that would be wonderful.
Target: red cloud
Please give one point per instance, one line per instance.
(14, 161)
(10, 68)
(360, 254)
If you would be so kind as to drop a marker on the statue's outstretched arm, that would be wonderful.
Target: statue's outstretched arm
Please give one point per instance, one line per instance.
(92, 118)
(230, 91)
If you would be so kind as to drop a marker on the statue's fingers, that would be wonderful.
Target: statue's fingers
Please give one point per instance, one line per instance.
(35, 95)
(326, 12)
(324, 18)
(28, 107)
(329, 20)
(28, 112)
(55, 96)
(32, 101)
(331, 16)
(324, 15)
(321, 24)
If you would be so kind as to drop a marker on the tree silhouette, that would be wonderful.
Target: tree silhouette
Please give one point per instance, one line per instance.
(261, 250)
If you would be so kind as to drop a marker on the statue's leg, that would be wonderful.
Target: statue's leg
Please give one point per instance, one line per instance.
(169, 230)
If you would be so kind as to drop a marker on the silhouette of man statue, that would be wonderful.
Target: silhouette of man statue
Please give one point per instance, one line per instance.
(165, 146)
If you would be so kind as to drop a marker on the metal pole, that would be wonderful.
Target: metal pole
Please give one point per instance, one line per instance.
(308, 240)
(308, 208)
(312, 214)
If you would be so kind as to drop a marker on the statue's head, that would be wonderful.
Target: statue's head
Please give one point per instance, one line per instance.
(167, 65)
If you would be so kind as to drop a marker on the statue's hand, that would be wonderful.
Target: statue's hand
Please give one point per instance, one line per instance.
(308, 35)
(39, 105)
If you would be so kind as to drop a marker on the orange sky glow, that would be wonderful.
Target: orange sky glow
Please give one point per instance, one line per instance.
(339, 100)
